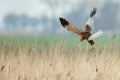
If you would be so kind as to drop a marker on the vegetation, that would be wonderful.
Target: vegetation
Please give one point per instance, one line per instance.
(58, 58)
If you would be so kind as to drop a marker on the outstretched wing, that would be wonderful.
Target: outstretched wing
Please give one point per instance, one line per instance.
(99, 33)
(90, 23)
(70, 26)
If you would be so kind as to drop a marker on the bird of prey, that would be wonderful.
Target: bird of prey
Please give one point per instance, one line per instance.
(85, 34)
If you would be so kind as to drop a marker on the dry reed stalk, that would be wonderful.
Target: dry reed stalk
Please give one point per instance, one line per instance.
(58, 62)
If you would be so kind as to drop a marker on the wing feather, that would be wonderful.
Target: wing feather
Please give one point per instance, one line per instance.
(90, 22)
(70, 26)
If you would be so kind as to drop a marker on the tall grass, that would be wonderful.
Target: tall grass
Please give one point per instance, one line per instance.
(58, 62)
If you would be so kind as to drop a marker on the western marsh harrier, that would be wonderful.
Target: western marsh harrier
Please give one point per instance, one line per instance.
(85, 34)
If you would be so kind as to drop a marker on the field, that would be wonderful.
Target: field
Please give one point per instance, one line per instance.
(58, 58)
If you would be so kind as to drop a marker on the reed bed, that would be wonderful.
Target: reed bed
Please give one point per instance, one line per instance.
(58, 62)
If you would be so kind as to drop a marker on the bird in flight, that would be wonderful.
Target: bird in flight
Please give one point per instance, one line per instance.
(85, 34)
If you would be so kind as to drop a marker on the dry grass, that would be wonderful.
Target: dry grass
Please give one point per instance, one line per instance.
(59, 63)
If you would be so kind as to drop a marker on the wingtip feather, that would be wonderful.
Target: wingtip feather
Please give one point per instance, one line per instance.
(93, 12)
(63, 22)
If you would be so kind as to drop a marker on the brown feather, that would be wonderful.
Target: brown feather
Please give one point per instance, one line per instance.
(87, 28)
(91, 42)
(70, 26)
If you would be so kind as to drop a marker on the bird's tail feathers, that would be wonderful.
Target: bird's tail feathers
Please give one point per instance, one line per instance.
(99, 33)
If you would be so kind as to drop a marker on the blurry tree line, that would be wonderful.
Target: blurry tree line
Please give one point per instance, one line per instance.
(107, 19)
(13, 22)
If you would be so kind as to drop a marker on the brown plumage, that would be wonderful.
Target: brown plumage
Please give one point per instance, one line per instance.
(85, 34)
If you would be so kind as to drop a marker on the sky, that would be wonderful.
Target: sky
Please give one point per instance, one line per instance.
(37, 8)
(30, 7)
